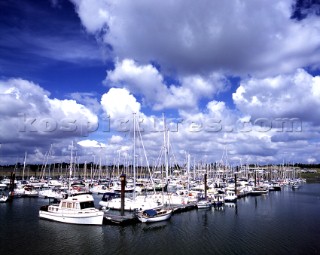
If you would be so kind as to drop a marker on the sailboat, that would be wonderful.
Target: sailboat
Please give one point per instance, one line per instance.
(204, 203)
(154, 215)
(136, 203)
(162, 213)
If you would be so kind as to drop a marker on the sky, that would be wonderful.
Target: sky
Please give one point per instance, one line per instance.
(232, 82)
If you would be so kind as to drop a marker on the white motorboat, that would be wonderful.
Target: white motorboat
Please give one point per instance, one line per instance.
(257, 191)
(230, 196)
(204, 204)
(154, 215)
(30, 191)
(3, 198)
(76, 209)
(52, 193)
(295, 186)
(3, 186)
(100, 189)
(140, 203)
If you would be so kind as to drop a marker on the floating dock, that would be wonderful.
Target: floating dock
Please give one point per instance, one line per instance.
(115, 218)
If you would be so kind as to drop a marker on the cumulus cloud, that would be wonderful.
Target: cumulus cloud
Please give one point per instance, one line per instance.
(30, 118)
(147, 81)
(238, 37)
(119, 103)
(116, 139)
(91, 143)
(89, 100)
(295, 95)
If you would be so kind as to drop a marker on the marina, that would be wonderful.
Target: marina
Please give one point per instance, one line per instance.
(160, 127)
(280, 222)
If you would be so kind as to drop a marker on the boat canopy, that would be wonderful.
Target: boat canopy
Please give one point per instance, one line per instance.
(150, 212)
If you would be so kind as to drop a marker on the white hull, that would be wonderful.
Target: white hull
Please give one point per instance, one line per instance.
(3, 186)
(3, 199)
(129, 205)
(77, 209)
(203, 204)
(295, 186)
(83, 218)
(156, 218)
(230, 198)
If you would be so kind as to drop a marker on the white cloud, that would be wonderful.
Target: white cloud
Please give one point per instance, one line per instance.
(147, 81)
(116, 139)
(91, 144)
(294, 95)
(93, 14)
(89, 100)
(235, 36)
(31, 119)
(119, 103)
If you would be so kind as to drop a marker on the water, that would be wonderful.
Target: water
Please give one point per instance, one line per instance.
(285, 222)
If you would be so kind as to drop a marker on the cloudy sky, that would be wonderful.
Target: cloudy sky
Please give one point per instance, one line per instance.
(238, 81)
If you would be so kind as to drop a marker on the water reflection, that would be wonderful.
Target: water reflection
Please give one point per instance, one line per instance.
(156, 226)
(253, 225)
(81, 239)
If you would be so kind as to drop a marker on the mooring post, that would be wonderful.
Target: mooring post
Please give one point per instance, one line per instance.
(255, 178)
(205, 186)
(11, 188)
(123, 185)
(235, 184)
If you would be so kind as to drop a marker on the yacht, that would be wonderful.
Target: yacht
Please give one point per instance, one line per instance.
(139, 203)
(230, 196)
(154, 215)
(76, 209)
(30, 191)
(3, 198)
(260, 190)
(203, 204)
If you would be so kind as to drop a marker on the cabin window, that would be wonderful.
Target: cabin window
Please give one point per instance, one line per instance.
(69, 205)
(88, 204)
(64, 204)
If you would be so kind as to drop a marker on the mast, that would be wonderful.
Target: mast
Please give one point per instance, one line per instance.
(71, 165)
(134, 156)
(85, 170)
(188, 171)
(24, 165)
(166, 151)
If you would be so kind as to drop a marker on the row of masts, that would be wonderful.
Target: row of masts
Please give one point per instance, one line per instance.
(194, 172)
(161, 168)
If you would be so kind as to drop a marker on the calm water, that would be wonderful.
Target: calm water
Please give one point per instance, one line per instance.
(286, 222)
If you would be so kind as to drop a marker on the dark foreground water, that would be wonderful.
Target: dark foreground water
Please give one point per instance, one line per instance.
(286, 222)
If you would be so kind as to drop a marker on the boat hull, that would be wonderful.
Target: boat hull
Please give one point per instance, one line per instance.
(203, 205)
(3, 199)
(156, 218)
(82, 218)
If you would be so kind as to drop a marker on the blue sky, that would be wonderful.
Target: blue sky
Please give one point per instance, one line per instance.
(226, 76)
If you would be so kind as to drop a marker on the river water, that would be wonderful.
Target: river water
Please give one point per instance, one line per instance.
(283, 222)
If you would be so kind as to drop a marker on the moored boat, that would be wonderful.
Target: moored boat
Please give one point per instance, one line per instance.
(230, 196)
(30, 191)
(204, 204)
(257, 191)
(154, 215)
(3, 198)
(76, 209)
(295, 186)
